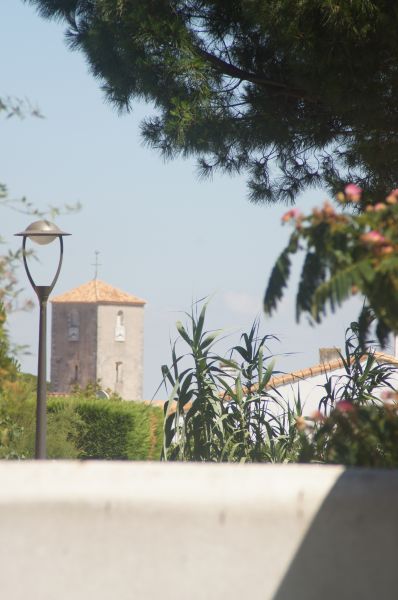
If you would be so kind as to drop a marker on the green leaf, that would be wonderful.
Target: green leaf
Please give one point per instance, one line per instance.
(181, 330)
(279, 277)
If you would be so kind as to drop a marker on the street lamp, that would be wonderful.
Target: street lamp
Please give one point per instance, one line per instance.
(42, 232)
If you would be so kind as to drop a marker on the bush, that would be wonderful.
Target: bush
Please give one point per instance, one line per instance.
(224, 409)
(17, 415)
(79, 427)
(355, 435)
(8, 365)
(118, 430)
(213, 416)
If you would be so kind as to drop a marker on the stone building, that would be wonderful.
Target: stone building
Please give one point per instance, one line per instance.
(98, 335)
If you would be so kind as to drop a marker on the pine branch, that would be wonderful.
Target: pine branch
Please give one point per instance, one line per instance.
(237, 73)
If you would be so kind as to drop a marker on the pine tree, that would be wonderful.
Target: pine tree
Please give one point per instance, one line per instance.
(294, 93)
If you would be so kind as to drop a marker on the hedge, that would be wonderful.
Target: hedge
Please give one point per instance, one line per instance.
(79, 427)
(118, 430)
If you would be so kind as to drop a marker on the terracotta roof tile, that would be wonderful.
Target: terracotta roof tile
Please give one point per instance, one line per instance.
(98, 292)
(324, 368)
(321, 368)
(299, 375)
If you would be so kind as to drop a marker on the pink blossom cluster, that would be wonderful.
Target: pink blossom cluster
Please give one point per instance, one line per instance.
(353, 192)
(345, 406)
(293, 213)
(373, 238)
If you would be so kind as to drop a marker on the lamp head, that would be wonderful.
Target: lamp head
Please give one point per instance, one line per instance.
(42, 232)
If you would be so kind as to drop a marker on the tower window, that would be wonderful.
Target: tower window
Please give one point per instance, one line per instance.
(120, 330)
(119, 372)
(73, 326)
(74, 375)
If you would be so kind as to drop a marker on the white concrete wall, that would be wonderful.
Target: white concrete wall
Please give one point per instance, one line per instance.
(126, 531)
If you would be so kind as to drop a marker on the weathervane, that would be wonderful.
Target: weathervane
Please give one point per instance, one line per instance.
(96, 264)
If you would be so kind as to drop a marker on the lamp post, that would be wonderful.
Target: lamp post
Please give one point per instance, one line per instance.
(42, 232)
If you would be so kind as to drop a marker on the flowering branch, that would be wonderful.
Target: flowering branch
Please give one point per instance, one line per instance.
(346, 252)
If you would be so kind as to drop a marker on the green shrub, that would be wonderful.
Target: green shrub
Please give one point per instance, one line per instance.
(217, 415)
(355, 435)
(17, 414)
(18, 425)
(212, 418)
(63, 427)
(79, 427)
(8, 365)
(112, 429)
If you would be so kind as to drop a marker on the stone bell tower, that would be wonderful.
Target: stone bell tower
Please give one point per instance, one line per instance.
(98, 335)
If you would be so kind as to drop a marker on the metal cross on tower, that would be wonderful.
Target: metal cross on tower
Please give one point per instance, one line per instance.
(96, 264)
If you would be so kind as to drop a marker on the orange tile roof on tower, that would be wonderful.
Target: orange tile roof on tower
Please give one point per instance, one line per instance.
(98, 292)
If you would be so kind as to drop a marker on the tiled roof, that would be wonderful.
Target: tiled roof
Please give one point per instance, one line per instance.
(297, 376)
(98, 292)
(319, 369)
(323, 368)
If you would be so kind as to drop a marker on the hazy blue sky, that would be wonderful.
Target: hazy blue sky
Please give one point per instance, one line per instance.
(162, 233)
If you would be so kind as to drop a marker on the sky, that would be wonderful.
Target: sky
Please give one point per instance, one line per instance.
(163, 234)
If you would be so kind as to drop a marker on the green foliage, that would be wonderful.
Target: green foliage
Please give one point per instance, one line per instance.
(91, 390)
(364, 375)
(15, 107)
(358, 425)
(79, 427)
(10, 433)
(212, 416)
(294, 93)
(222, 409)
(10, 288)
(358, 435)
(345, 253)
(117, 430)
(18, 418)
(8, 365)
(9, 260)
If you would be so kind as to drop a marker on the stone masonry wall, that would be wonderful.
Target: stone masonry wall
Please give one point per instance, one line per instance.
(73, 362)
(120, 363)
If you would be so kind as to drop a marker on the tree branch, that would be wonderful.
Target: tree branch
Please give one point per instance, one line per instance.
(238, 73)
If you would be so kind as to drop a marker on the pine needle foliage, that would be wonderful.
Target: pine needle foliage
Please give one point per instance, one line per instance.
(346, 252)
(292, 93)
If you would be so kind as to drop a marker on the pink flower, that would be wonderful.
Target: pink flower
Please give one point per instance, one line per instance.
(353, 192)
(293, 213)
(328, 209)
(385, 250)
(373, 238)
(352, 188)
(392, 198)
(380, 206)
(318, 416)
(345, 406)
(388, 395)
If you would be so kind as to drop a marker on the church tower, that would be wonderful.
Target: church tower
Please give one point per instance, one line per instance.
(98, 335)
